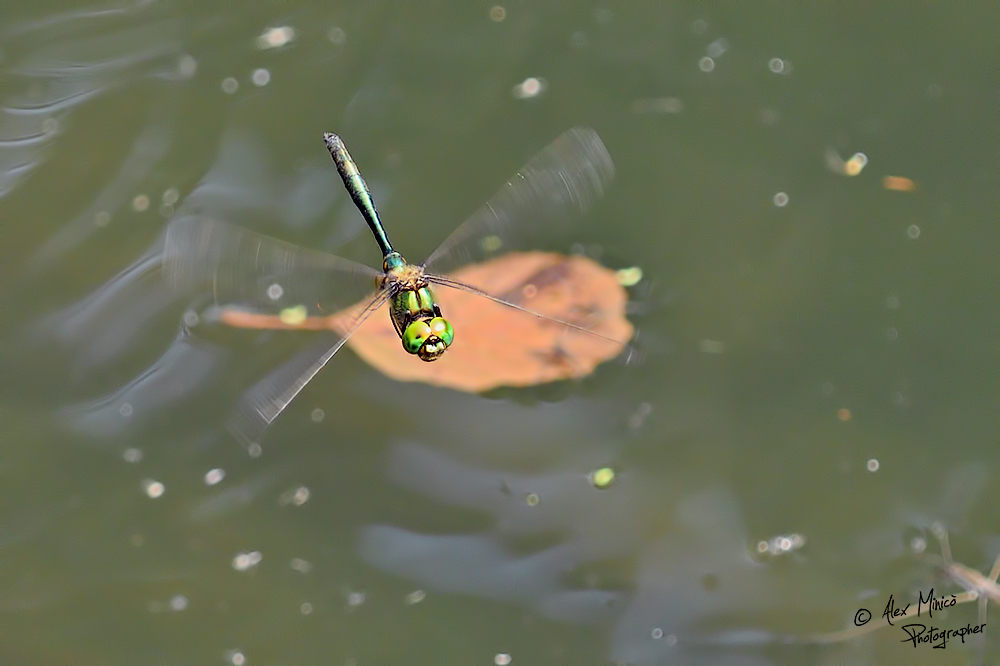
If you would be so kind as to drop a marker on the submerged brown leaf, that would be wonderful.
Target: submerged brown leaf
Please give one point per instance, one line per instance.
(496, 345)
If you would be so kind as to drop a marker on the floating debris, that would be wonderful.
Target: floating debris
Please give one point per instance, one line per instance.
(602, 478)
(571, 288)
(274, 38)
(781, 544)
(530, 87)
(898, 184)
(153, 489)
(629, 277)
(247, 561)
(850, 167)
(214, 476)
(294, 316)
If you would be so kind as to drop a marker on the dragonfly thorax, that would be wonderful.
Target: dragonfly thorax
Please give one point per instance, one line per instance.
(415, 315)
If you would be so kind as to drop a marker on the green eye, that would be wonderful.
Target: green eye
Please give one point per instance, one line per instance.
(415, 336)
(441, 327)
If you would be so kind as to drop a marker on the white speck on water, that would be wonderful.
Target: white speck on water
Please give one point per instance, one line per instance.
(657, 633)
(530, 87)
(214, 476)
(913, 231)
(236, 658)
(317, 415)
(306, 608)
(132, 455)
(246, 561)
(50, 125)
(273, 38)
(873, 465)
(254, 450)
(300, 565)
(230, 85)
(178, 602)
(706, 64)
(170, 196)
(191, 318)
(355, 599)
(102, 218)
(275, 291)
(501, 659)
(776, 65)
(260, 77)
(153, 488)
(140, 203)
(415, 597)
(780, 199)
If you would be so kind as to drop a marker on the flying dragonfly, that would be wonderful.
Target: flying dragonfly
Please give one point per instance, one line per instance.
(247, 269)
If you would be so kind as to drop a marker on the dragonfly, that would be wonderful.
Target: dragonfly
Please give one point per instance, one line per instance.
(246, 269)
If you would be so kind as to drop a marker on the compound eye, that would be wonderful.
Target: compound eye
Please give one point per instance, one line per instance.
(415, 335)
(441, 327)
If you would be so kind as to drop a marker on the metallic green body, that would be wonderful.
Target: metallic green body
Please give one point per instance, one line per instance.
(415, 316)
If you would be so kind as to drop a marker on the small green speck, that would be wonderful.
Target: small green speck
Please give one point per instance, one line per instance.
(629, 277)
(294, 316)
(602, 478)
(491, 243)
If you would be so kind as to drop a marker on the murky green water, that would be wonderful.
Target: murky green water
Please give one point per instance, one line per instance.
(787, 349)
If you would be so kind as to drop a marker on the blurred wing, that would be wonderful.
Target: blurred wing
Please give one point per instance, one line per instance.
(248, 269)
(461, 286)
(567, 176)
(263, 402)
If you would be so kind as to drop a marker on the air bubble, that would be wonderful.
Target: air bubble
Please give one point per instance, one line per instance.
(260, 77)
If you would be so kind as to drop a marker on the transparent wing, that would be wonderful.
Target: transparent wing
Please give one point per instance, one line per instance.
(263, 402)
(247, 269)
(568, 176)
(462, 286)
(250, 270)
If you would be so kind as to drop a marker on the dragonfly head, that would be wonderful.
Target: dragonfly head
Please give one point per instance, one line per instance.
(392, 262)
(428, 338)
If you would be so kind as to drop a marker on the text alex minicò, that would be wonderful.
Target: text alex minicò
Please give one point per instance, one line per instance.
(921, 633)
